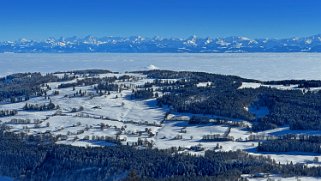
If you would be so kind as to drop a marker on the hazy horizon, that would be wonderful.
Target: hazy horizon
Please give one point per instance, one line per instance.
(261, 66)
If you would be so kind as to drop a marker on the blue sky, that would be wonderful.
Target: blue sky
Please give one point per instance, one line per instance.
(39, 19)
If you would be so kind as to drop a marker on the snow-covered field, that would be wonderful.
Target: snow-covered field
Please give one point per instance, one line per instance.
(117, 116)
(132, 119)
(262, 66)
(278, 178)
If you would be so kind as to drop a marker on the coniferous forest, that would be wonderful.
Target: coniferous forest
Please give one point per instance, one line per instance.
(37, 158)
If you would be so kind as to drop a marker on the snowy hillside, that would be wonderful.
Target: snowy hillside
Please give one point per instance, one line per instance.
(106, 109)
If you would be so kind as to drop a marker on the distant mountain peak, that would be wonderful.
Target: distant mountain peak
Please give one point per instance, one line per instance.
(135, 44)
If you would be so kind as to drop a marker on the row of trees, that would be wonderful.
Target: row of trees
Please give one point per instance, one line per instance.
(4, 113)
(147, 93)
(40, 107)
(291, 142)
(81, 82)
(301, 83)
(289, 146)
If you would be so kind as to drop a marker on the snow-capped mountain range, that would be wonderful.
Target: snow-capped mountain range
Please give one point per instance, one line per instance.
(159, 45)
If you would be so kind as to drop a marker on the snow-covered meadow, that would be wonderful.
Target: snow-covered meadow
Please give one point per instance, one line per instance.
(117, 116)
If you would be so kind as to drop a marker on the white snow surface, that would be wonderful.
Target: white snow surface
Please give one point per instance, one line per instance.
(252, 85)
(152, 67)
(279, 178)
